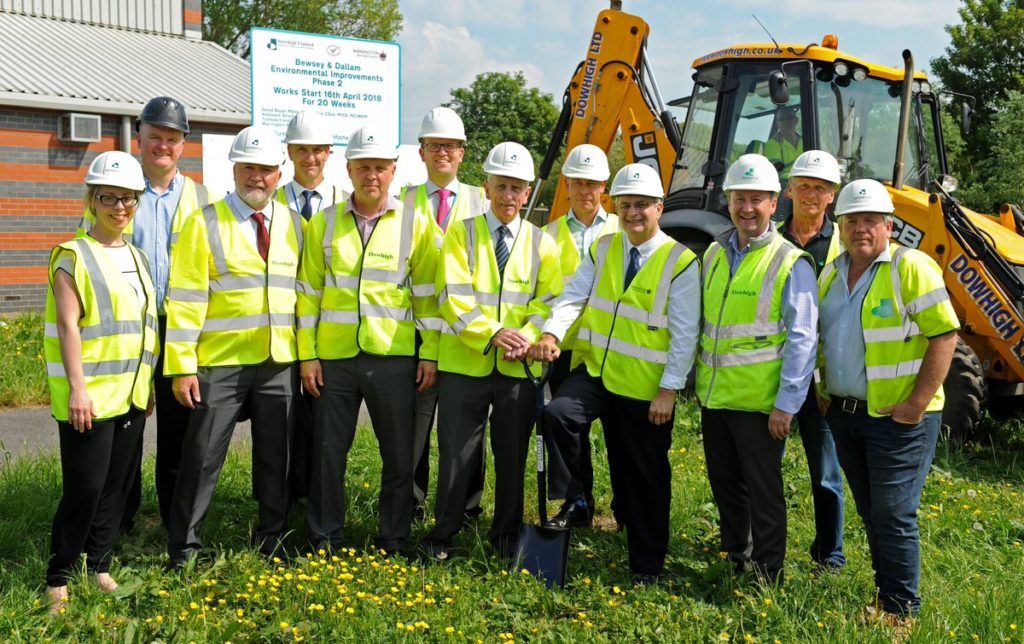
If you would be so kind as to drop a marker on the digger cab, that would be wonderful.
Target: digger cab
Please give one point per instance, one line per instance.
(833, 102)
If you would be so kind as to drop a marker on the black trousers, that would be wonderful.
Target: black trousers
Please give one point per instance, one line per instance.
(386, 384)
(745, 470)
(462, 417)
(96, 468)
(300, 462)
(426, 409)
(268, 390)
(171, 424)
(637, 459)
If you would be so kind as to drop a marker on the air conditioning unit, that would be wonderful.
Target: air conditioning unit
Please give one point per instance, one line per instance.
(79, 128)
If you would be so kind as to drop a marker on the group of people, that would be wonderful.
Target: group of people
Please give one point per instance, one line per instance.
(295, 305)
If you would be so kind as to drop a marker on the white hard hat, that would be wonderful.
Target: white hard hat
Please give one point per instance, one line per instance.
(586, 161)
(310, 128)
(257, 144)
(637, 179)
(510, 159)
(442, 123)
(117, 169)
(752, 172)
(864, 195)
(369, 143)
(817, 164)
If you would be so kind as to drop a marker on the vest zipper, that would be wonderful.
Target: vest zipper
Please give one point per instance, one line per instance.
(359, 280)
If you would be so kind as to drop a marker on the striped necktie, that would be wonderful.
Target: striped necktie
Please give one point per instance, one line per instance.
(501, 248)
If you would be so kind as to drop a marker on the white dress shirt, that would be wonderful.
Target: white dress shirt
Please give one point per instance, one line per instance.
(244, 213)
(683, 308)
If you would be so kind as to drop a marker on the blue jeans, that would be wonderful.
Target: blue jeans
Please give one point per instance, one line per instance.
(826, 484)
(886, 464)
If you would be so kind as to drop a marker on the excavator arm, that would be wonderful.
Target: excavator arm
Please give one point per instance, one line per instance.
(613, 89)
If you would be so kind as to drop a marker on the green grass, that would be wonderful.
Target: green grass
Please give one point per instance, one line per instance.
(972, 529)
(22, 376)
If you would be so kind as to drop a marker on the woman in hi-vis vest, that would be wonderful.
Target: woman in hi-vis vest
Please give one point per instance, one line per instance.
(100, 344)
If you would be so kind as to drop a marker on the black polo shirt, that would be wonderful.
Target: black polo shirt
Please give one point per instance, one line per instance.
(817, 246)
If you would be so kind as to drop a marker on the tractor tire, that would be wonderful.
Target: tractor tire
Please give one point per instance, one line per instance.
(966, 390)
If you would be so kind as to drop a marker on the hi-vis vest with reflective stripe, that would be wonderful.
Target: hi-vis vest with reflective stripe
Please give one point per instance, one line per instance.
(354, 298)
(193, 197)
(225, 305)
(902, 308)
(740, 360)
(338, 195)
(119, 340)
(623, 336)
(476, 303)
(569, 259)
(469, 202)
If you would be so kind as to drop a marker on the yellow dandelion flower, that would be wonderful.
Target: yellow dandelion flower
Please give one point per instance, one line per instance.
(449, 629)
(284, 626)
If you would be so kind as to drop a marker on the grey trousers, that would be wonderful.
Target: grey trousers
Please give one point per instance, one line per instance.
(387, 385)
(268, 390)
(462, 417)
(426, 406)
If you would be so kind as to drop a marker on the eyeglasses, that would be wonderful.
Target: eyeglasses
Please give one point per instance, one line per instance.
(111, 200)
(639, 205)
(447, 147)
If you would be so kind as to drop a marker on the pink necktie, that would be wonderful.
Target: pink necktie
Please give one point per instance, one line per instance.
(442, 207)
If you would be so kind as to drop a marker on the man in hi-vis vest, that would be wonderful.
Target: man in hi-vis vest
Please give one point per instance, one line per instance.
(888, 333)
(497, 277)
(757, 351)
(168, 199)
(586, 172)
(443, 199)
(231, 341)
(366, 286)
(637, 296)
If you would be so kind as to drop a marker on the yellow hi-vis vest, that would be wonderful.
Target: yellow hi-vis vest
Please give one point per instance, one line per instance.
(119, 338)
(623, 337)
(338, 195)
(903, 307)
(193, 197)
(740, 359)
(569, 259)
(475, 302)
(369, 298)
(225, 305)
(469, 202)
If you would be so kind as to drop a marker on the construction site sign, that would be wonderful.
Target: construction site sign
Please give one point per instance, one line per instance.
(349, 81)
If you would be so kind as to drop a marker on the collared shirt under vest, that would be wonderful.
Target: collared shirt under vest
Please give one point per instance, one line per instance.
(744, 338)
(476, 301)
(119, 337)
(465, 201)
(323, 196)
(370, 297)
(226, 305)
(639, 338)
(904, 304)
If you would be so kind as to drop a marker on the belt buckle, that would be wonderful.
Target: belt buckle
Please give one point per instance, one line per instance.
(849, 405)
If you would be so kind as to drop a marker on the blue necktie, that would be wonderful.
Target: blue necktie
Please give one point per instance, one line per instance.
(634, 266)
(307, 206)
(501, 248)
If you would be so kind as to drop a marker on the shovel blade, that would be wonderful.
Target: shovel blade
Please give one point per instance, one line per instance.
(544, 553)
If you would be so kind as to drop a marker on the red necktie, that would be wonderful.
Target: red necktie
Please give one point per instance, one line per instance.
(262, 236)
(442, 206)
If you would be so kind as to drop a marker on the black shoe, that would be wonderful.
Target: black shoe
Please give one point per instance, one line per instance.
(474, 513)
(645, 579)
(570, 516)
(436, 550)
(389, 548)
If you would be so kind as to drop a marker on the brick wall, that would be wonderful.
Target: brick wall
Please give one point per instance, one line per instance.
(41, 190)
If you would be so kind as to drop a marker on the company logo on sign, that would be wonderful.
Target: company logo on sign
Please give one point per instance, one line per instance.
(272, 44)
(333, 50)
(1001, 319)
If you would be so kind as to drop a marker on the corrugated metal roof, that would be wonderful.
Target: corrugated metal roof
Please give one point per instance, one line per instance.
(117, 70)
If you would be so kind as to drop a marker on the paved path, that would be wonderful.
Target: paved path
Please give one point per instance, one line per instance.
(31, 431)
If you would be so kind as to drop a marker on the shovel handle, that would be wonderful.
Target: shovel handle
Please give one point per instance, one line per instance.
(542, 481)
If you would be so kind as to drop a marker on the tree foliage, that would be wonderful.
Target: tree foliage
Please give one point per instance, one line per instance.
(496, 107)
(227, 22)
(985, 59)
